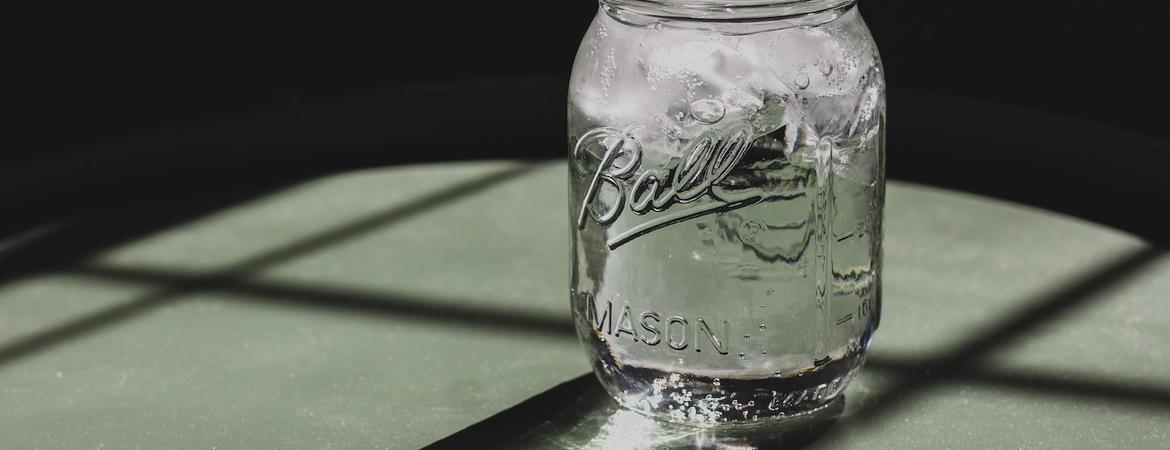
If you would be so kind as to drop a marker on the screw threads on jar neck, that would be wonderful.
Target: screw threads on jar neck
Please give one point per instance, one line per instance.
(724, 10)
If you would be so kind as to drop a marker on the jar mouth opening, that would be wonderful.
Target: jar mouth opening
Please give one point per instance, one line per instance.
(725, 10)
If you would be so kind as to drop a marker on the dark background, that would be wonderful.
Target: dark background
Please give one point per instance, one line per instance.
(126, 120)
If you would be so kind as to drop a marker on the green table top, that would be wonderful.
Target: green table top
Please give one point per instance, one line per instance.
(392, 308)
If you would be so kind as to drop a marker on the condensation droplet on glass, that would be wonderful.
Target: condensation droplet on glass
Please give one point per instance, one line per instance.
(708, 111)
(802, 80)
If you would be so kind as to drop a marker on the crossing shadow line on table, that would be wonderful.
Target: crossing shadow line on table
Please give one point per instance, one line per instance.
(45, 339)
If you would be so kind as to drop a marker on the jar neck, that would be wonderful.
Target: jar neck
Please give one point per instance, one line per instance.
(725, 10)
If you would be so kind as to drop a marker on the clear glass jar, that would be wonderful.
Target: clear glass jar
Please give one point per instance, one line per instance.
(726, 190)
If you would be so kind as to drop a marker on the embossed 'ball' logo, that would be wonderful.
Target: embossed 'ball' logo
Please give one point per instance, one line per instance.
(693, 177)
(749, 230)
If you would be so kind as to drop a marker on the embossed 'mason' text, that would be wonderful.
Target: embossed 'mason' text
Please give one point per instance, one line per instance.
(649, 327)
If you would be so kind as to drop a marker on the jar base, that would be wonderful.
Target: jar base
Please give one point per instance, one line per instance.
(696, 400)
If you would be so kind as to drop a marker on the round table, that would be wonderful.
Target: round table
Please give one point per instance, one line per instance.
(404, 306)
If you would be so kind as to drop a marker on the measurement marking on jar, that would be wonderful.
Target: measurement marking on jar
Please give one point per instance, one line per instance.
(845, 318)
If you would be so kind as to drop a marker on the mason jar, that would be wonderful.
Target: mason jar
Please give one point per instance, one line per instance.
(726, 182)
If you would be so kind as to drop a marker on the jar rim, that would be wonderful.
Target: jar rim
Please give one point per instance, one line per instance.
(726, 10)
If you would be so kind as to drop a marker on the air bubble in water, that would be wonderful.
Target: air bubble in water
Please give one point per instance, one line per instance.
(747, 336)
(763, 327)
(826, 67)
(672, 131)
(708, 111)
(802, 80)
(741, 356)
